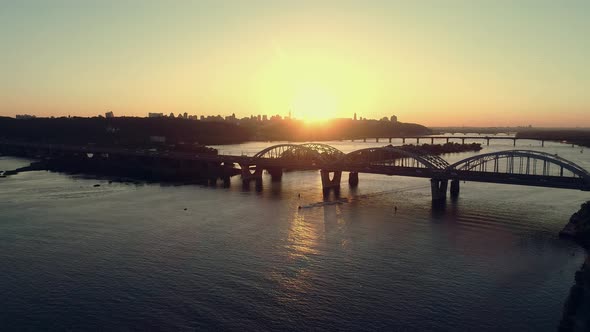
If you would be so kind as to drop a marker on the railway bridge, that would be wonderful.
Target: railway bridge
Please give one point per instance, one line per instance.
(517, 167)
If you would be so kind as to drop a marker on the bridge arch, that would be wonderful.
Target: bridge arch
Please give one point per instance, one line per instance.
(309, 151)
(394, 156)
(327, 152)
(525, 162)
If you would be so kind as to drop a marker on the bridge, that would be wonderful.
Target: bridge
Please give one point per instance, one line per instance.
(454, 138)
(516, 167)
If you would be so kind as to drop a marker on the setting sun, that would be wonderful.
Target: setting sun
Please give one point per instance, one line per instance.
(314, 104)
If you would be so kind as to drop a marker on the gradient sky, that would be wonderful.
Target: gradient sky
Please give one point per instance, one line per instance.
(489, 63)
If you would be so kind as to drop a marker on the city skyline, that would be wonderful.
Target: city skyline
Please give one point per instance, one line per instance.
(475, 64)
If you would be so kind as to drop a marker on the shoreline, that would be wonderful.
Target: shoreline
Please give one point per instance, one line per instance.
(576, 309)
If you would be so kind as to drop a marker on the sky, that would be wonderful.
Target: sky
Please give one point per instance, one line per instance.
(437, 63)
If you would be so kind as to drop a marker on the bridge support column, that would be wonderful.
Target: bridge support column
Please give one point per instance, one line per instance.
(403, 140)
(226, 181)
(276, 174)
(514, 142)
(353, 179)
(432, 140)
(418, 140)
(454, 188)
(377, 139)
(365, 140)
(542, 143)
(447, 140)
(487, 141)
(439, 189)
(390, 140)
(328, 183)
(462, 141)
(247, 175)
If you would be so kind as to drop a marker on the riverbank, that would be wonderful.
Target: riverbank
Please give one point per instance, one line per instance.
(576, 312)
(196, 172)
(579, 137)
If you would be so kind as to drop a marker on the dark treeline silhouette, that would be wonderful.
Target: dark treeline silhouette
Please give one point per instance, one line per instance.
(132, 131)
(123, 131)
(336, 129)
(574, 136)
(450, 147)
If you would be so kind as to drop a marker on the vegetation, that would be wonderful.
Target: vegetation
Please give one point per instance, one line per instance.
(573, 136)
(129, 131)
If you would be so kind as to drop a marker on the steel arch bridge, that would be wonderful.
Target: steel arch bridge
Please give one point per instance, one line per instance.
(312, 152)
(525, 167)
(522, 167)
(526, 162)
(393, 156)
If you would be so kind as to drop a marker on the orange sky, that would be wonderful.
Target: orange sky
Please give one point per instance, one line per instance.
(490, 63)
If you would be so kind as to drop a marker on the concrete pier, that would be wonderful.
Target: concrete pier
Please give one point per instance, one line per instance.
(248, 174)
(327, 182)
(455, 188)
(353, 179)
(439, 189)
(276, 174)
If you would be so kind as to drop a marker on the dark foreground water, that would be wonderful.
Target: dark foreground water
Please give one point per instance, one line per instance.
(130, 257)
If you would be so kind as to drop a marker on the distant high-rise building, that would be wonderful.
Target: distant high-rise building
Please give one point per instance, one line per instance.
(393, 119)
(185, 115)
(155, 115)
(109, 115)
(355, 116)
(171, 115)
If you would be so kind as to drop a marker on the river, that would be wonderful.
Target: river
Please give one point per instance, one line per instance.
(124, 256)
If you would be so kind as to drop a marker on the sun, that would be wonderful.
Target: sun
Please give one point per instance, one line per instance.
(314, 104)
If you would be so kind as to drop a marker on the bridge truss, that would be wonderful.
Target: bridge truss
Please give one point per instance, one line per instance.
(522, 162)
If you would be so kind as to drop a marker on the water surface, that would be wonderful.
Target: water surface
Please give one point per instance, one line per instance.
(130, 257)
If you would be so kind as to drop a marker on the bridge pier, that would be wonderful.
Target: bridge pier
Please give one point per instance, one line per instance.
(487, 141)
(417, 140)
(432, 140)
(212, 181)
(447, 140)
(390, 140)
(328, 183)
(248, 175)
(276, 174)
(365, 140)
(376, 139)
(439, 189)
(226, 181)
(463, 141)
(514, 142)
(543, 143)
(403, 140)
(454, 188)
(353, 179)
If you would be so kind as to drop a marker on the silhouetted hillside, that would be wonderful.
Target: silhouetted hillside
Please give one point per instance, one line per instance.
(120, 131)
(141, 131)
(575, 136)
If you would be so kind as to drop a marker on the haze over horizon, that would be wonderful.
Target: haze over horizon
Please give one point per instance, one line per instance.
(461, 63)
